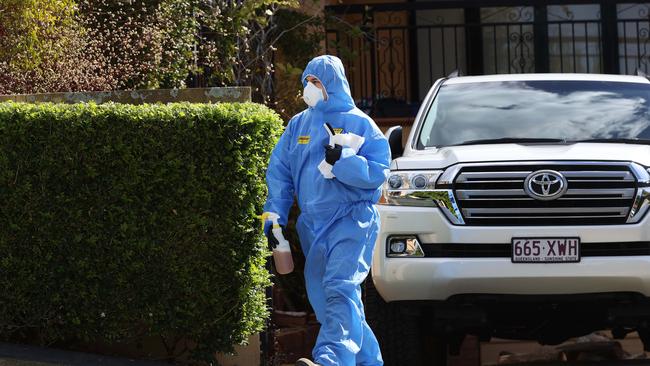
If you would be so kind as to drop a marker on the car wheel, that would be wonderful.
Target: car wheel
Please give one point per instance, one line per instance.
(404, 335)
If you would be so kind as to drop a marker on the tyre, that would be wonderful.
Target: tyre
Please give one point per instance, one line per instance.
(403, 333)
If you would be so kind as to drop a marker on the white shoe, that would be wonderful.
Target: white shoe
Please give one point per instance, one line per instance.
(305, 362)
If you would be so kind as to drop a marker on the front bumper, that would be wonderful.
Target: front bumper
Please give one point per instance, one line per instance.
(405, 279)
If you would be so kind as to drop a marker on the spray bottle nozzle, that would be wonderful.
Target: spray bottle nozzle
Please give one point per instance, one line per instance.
(272, 216)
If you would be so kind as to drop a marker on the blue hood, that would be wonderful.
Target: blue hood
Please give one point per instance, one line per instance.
(329, 70)
(293, 168)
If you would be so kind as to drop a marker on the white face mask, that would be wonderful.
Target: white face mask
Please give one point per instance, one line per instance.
(312, 95)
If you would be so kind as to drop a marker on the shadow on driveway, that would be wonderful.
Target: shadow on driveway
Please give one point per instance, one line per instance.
(22, 355)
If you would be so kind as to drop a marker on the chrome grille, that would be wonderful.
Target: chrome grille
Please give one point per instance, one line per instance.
(597, 194)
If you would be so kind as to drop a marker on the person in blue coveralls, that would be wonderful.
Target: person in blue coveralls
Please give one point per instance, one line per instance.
(334, 159)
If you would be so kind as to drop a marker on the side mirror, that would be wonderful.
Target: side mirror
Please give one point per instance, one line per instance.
(394, 136)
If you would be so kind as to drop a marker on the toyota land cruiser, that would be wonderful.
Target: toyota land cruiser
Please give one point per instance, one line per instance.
(516, 209)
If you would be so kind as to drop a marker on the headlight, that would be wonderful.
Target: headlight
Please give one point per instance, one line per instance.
(409, 180)
(418, 188)
(395, 181)
(405, 187)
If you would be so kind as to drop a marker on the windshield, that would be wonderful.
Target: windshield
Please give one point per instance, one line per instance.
(565, 110)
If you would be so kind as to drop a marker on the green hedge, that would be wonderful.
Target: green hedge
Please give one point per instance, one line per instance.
(119, 222)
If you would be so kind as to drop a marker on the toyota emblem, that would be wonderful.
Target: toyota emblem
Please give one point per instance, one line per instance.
(545, 185)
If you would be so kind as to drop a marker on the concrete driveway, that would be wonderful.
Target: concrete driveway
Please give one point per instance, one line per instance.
(21, 355)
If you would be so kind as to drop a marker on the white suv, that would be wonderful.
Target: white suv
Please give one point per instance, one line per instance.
(516, 209)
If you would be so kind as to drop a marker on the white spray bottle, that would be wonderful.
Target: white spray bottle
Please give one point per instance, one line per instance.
(282, 252)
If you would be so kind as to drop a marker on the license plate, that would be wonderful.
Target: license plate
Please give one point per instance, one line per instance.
(545, 250)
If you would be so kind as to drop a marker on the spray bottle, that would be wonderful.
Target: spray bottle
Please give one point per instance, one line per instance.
(282, 252)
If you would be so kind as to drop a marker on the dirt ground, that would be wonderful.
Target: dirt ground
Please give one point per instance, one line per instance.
(490, 352)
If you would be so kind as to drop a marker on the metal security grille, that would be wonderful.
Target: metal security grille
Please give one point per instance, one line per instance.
(597, 194)
(394, 52)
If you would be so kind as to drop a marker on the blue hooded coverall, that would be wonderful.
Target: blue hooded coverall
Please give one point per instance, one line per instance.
(338, 224)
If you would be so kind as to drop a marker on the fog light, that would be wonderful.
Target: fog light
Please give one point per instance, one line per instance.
(397, 247)
(404, 246)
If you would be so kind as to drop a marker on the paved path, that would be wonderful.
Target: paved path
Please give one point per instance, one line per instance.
(21, 355)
